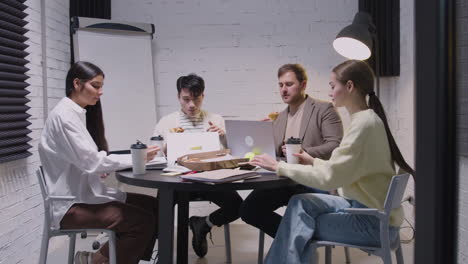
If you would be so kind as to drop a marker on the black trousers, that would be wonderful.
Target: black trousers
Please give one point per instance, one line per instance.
(259, 207)
(229, 203)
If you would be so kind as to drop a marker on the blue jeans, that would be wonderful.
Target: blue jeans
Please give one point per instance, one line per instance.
(321, 217)
(258, 209)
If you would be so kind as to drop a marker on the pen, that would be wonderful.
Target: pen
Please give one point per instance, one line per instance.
(191, 172)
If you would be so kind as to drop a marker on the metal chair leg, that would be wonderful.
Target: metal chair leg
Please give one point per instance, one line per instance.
(328, 255)
(347, 255)
(399, 255)
(112, 247)
(44, 245)
(315, 256)
(387, 258)
(227, 241)
(71, 248)
(261, 243)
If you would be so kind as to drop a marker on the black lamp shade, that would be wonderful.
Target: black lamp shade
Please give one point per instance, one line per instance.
(355, 40)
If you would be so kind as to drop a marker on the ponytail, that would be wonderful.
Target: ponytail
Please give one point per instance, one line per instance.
(376, 105)
(363, 78)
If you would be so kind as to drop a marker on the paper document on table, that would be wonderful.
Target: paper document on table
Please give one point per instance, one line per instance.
(219, 176)
(176, 168)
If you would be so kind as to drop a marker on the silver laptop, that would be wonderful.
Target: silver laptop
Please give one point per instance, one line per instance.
(250, 136)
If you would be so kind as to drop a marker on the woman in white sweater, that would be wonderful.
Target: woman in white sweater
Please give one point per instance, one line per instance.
(73, 152)
(361, 168)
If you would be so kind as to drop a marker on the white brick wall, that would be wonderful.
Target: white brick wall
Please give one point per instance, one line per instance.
(21, 208)
(237, 47)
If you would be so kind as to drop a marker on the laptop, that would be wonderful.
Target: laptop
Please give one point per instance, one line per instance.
(250, 136)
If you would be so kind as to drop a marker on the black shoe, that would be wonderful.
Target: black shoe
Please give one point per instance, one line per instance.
(199, 229)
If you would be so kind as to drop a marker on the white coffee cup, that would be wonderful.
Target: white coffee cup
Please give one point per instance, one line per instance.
(138, 157)
(158, 141)
(293, 146)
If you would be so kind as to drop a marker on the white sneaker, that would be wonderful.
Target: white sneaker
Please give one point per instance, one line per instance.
(82, 257)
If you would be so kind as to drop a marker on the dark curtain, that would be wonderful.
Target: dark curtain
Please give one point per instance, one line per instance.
(386, 17)
(91, 8)
(88, 8)
(13, 102)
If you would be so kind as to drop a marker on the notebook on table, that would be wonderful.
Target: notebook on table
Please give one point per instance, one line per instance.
(220, 176)
(158, 163)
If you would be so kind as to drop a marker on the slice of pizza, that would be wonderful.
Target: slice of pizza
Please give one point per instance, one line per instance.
(177, 130)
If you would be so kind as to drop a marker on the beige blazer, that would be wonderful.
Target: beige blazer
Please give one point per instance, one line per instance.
(321, 128)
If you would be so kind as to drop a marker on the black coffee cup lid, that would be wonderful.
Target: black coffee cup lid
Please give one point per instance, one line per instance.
(159, 137)
(292, 140)
(138, 145)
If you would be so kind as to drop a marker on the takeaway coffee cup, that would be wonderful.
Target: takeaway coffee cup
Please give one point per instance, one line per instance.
(158, 141)
(138, 157)
(293, 146)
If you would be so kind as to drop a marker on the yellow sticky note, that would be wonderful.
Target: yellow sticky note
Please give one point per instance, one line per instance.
(249, 155)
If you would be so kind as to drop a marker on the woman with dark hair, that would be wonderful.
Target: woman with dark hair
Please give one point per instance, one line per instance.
(73, 152)
(361, 168)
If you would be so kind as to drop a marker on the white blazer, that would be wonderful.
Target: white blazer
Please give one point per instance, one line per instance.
(72, 162)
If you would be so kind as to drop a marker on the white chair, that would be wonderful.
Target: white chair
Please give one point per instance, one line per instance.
(392, 201)
(71, 233)
(261, 246)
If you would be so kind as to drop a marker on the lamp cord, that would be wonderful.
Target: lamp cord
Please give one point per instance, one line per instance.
(410, 226)
(377, 63)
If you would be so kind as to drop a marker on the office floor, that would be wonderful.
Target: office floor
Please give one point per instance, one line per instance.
(244, 240)
(244, 243)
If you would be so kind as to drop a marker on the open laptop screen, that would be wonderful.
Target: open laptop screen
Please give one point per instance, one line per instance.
(250, 136)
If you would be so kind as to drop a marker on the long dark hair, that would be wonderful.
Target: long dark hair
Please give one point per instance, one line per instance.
(85, 71)
(362, 77)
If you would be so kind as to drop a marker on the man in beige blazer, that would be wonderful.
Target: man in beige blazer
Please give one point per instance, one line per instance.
(319, 127)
